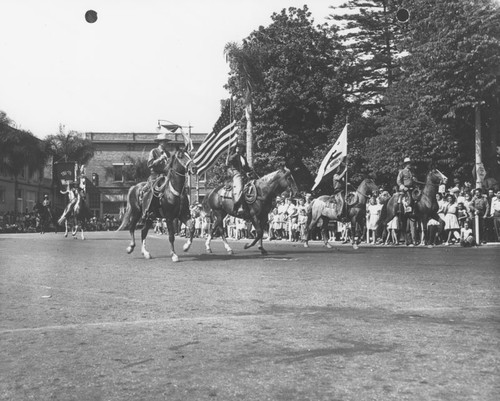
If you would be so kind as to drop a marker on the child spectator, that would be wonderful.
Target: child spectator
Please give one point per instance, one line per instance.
(466, 236)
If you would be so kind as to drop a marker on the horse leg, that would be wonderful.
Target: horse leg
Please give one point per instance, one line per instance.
(81, 231)
(189, 225)
(133, 224)
(144, 234)
(309, 228)
(356, 232)
(258, 237)
(324, 232)
(66, 228)
(171, 239)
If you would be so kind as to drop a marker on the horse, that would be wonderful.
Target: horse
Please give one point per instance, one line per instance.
(218, 203)
(170, 201)
(76, 213)
(424, 208)
(337, 207)
(44, 217)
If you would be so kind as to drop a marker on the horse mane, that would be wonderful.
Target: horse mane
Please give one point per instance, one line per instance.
(268, 177)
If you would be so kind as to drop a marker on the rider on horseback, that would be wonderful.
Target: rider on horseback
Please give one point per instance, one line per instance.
(406, 183)
(237, 168)
(158, 164)
(47, 205)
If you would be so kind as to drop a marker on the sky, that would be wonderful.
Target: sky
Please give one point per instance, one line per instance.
(141, 61)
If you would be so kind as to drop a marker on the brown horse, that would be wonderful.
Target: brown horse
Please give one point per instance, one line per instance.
(425, 207)
(336, 208)
(220, 205)
(170, 202)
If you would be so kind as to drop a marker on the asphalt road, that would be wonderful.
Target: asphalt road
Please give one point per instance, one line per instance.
(82, 320)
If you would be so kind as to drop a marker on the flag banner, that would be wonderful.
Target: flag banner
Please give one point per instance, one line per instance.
(65, 173)
(221, 138)
(333, 158)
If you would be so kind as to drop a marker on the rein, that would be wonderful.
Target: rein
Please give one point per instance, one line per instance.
(159, 189)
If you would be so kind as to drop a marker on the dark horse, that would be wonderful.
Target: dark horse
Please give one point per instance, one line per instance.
(170, 202)
(257, 212)
(76, 213)
(425, 207)
(44, 217)
(336, 208)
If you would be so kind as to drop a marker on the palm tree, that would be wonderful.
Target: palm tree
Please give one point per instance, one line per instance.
(244, 64)
(69, 147)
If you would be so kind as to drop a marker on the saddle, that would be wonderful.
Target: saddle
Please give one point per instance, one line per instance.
(152, 188)
(351, 198)
(336, 205)
(249, 191)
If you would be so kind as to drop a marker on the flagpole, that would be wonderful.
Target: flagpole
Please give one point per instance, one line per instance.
(230, 119)
(347, 153)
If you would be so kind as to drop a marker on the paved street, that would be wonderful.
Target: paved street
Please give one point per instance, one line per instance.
(82, 320)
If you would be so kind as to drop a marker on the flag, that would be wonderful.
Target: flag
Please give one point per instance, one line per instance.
(221, 138)
(333, 158)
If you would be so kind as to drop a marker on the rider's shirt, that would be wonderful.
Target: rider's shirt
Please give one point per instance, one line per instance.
(46, 203)
(405, 178)
(154, 163)
(238, 162)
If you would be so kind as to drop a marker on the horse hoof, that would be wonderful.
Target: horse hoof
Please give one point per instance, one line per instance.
(186, 247)
(246, 246)
(306, 245)
(229, 251)
(130, 249)
(147, 255)
(208, 250)
(355, 246)
(175, 258)
(329, 246)
(263, 251)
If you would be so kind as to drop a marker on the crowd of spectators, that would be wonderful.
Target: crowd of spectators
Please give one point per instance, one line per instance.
(29, 222)
(458, 207)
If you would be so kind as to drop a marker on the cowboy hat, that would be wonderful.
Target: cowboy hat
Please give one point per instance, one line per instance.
(162, 138)
(407, 160)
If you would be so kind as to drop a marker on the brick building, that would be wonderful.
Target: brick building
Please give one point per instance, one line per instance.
(107, 187)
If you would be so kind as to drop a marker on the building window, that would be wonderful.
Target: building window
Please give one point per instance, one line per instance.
(118, 172)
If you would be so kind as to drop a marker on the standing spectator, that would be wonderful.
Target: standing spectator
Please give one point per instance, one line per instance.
(393, 228)
(271, 217)
(495, 214)
(479, 207)
(462, 214)
(441, 205)
(302, 221)
(488, 220)
(373, 217)
(450, 218)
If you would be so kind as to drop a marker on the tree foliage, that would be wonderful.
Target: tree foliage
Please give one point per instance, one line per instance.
(69, 147)
(298, 95)
(19, 149)
(452, 66)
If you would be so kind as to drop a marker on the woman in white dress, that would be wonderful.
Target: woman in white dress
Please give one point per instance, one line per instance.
(451, 225)
(373, 217)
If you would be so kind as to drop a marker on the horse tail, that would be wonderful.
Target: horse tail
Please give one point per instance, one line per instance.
(132, 201)
(64, 216)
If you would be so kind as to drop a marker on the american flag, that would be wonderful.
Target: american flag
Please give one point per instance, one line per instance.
(221, 138)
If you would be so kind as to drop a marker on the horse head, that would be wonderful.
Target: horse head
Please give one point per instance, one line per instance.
(182, 163)
(436, 177)
(289, 181)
